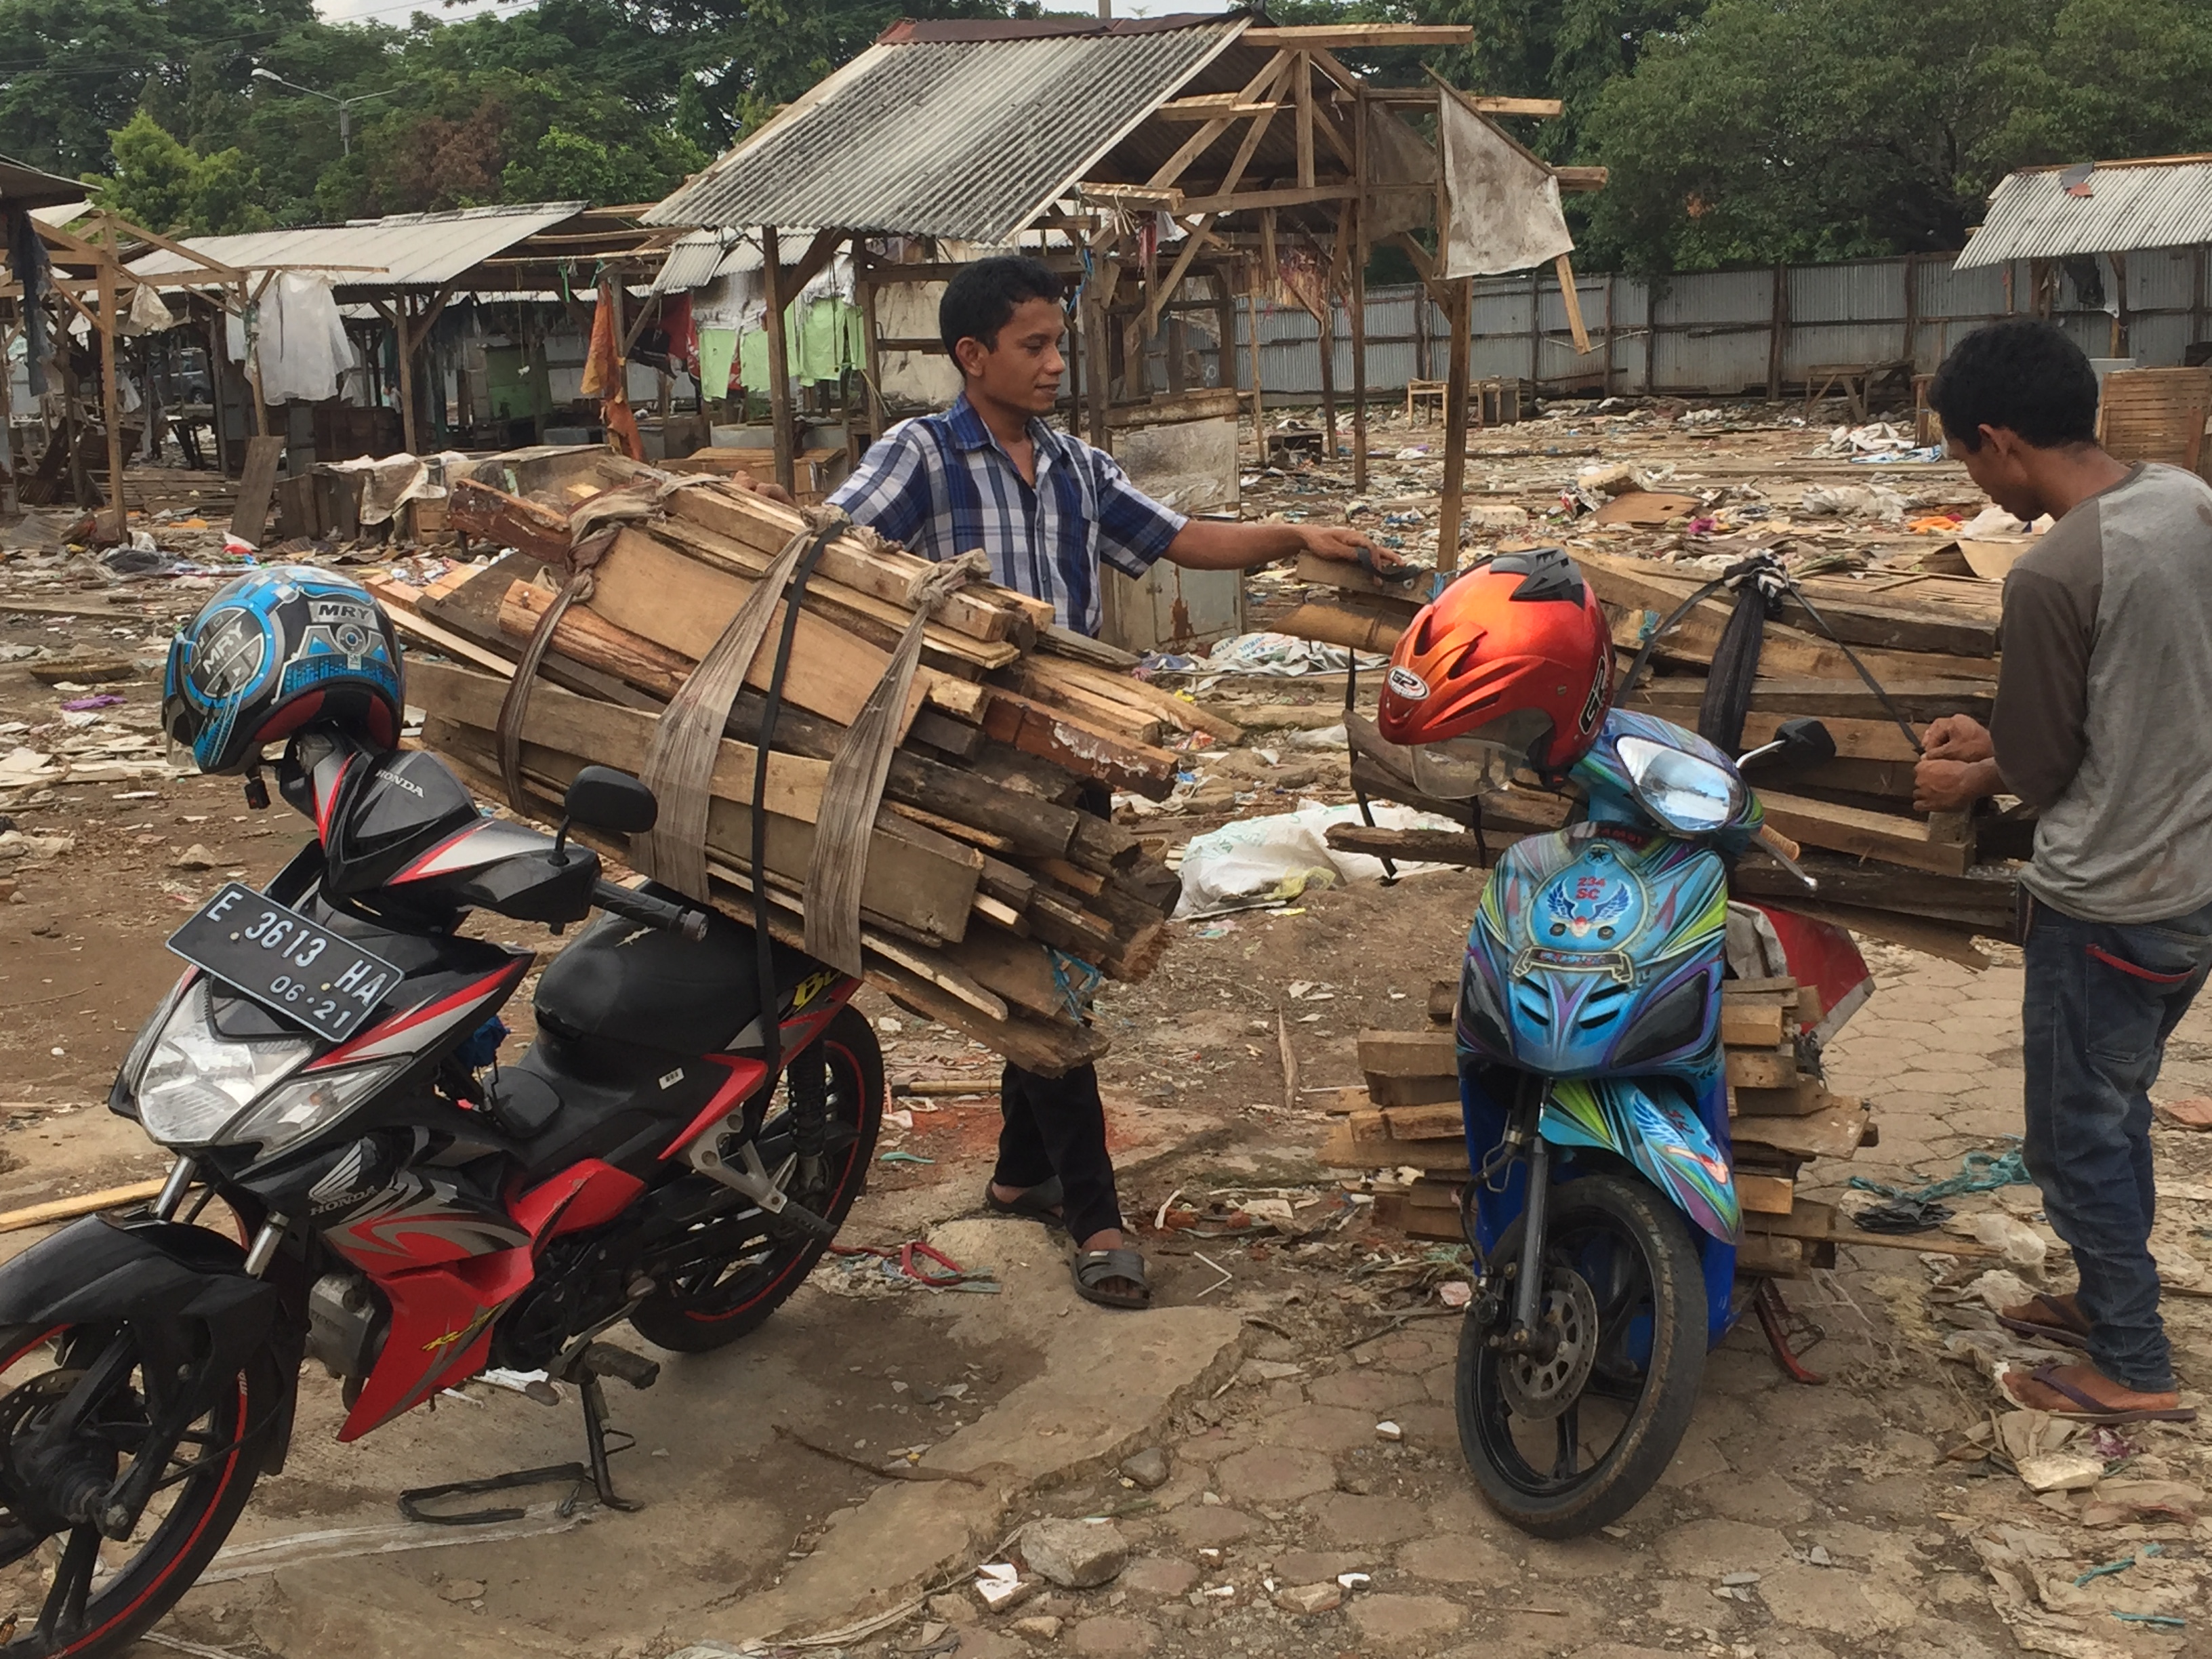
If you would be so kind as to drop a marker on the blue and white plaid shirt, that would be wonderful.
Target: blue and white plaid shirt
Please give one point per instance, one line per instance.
(942, 484)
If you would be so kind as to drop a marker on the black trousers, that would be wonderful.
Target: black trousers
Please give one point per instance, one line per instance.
(1056, 1125)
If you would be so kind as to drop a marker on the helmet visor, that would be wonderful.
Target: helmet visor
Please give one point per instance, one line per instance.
(1479, 761)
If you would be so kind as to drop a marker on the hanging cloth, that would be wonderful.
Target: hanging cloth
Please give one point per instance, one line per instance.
(1504, 203)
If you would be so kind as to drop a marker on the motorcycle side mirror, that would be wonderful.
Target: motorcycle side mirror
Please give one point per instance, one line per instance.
(1796, 742)
(603, 798)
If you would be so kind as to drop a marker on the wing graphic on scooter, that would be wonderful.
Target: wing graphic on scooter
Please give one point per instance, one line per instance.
(1657, 1132)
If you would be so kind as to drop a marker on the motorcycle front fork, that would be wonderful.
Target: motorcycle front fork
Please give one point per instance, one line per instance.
(1528, 1331)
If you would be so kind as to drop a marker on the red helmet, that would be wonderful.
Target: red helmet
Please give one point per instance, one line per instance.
(1514, 654)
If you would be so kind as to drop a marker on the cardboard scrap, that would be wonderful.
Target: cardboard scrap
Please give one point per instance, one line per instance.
(1645, 507)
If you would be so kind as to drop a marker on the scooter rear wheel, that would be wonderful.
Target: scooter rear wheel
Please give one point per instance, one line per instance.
(1563, 1446)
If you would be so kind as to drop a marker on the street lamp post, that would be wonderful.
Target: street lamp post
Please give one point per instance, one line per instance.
(345, 105)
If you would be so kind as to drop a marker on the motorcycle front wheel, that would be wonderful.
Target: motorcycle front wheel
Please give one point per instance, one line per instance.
(1563, 1445)
(65, 1588)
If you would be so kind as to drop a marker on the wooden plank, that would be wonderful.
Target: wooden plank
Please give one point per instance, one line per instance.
(1412, 1091)
(1836, 1132)
(1763, 1255)
(1868, 835)
(1440, 1157)
(914, 877)
(652, 591)
(1671, 695)
(1114, 716)
(257, 488)
(1977, 901)
(1017, 969)
(1077, 745)
(1748, 1068)
(1333, 625)
(484, 513)
(1805, 1099)
(1750, 1025)
(1408, 1053)
(1412, 846)
(69, 1209)
(1765, 1195)
(1442, 1122)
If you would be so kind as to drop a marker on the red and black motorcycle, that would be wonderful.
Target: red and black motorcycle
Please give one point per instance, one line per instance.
(676, 1149)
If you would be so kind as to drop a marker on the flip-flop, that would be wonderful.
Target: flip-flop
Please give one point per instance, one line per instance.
(1093, 1269)
(2059, 1327)
(2093, 1410)
(1042, 1202)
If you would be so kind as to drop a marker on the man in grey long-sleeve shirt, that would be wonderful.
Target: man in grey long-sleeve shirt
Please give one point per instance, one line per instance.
(2103, 722)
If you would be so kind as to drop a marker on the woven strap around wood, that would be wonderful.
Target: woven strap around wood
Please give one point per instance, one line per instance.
(679, 768)
(846, 823)
(514, 707)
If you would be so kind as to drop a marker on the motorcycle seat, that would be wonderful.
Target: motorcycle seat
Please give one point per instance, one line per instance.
(622, 987)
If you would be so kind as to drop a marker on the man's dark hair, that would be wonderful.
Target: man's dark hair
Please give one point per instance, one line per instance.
(2023, 373)
(981, 299)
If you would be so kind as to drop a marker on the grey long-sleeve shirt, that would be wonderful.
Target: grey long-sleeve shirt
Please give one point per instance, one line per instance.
(2103, 706)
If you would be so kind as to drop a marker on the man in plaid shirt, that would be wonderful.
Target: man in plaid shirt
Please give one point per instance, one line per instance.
(1050, 511)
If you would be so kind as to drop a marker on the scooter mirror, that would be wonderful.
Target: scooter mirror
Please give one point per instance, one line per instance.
(603, 798)
(1804, 743)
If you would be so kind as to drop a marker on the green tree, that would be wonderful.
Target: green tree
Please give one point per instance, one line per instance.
(160, 184)
(1810, 130)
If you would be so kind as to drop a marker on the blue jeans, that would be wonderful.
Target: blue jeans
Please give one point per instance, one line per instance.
(2102, 999)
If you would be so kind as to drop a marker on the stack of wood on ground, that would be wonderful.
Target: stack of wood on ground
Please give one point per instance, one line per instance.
(1931, 883)
(1782, 1116)
(982, 881)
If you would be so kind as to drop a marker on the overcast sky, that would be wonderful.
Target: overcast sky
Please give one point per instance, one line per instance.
(396, 11)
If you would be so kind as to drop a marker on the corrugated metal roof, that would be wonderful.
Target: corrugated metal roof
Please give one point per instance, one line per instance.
(21, 182)
(406, 250)
(2130, 204)
(965, 137)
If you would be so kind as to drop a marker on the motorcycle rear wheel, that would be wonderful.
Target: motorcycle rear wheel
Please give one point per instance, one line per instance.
(73, 1592)
(728, 1294)
(1623, 1277)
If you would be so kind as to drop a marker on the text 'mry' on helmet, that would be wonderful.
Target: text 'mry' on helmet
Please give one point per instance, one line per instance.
(279, 649)
(1515, 653)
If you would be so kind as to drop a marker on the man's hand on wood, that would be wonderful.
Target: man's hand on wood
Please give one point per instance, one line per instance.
(1346, 545)
(1958, 738)
(1953, 786)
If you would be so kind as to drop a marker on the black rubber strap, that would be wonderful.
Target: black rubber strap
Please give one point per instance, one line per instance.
(1652, 640)
(1852, 656)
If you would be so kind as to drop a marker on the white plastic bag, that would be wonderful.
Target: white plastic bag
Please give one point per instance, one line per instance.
(1270, 861)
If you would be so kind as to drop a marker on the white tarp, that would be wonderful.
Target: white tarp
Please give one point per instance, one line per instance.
(1272, 860)
(1504, 203)
(299, 340)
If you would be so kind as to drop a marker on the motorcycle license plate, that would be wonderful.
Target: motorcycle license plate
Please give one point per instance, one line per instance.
(285, 962)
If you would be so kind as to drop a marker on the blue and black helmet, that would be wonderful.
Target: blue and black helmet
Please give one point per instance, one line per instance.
(277, 649)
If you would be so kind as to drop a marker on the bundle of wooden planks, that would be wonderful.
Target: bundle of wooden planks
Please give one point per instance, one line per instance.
(1406, 1120)
(988, 901)
(1931, 882)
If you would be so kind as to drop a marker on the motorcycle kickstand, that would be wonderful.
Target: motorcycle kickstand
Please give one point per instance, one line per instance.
(604, 1359)
(1774, 1319)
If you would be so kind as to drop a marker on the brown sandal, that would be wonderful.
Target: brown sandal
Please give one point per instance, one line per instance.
(2053, 1322)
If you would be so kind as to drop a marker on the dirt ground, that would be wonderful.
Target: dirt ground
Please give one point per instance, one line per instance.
(1857, 1520)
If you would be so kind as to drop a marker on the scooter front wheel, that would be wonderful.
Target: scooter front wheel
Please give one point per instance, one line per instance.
(1564, 1441)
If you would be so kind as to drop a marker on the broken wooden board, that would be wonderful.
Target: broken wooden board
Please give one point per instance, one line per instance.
(1892, 837)
(1676, 697)
(1077, 745)
(1836, 1132)
(257, 489)
(1764, 1194)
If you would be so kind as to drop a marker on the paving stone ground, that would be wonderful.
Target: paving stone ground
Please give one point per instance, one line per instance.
(1795, 1522)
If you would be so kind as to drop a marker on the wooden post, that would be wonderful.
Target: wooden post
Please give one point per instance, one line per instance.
(8, 503)
(1421, 337)
(1258, 413)
(110, 403)
(1778, 329)
(1078, 334)
(779, 362)
(1535, 332)
(1095, 364)
(872, 355)
(1225, 323)
(1608, 334)
(2119, 334)
(402, 309)
(216, 359)
(1449, 508)
(1912, 352)
(1358, 307)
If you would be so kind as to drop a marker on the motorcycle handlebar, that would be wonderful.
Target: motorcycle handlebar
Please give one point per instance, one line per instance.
(648, 911)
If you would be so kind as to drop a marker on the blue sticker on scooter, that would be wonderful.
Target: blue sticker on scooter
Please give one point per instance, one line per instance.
(1587, 909)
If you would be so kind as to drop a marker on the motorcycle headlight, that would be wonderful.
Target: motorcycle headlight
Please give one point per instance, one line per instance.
(1688, 795)
(141, 1046)
(196, 1080)
(305, 1104)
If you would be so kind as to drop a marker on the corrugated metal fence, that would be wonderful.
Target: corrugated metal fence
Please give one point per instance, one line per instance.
(1716, 333)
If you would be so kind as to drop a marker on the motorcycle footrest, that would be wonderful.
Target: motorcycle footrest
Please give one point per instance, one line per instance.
(609, 1360)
